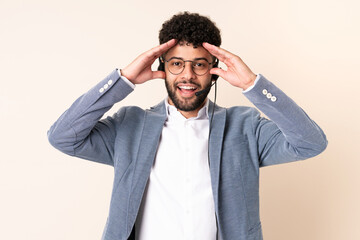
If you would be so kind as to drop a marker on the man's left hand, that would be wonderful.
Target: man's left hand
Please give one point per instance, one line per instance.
(237, 74)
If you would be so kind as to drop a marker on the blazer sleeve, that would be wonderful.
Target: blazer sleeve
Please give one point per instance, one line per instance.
(290, 135)
(79, 130)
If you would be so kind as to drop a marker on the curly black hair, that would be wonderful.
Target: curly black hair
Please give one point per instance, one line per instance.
(190, 28)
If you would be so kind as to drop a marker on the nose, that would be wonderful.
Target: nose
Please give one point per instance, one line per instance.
(188, 72)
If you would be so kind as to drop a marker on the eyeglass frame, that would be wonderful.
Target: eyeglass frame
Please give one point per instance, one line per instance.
(216, 61)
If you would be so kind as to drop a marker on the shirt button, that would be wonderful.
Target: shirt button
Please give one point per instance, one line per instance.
(273, 99)
(268, 95)
(106, 86)
(264, 91)
(101, 90)
(110, 82)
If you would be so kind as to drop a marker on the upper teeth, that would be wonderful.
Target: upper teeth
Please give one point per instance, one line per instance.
(186, 87)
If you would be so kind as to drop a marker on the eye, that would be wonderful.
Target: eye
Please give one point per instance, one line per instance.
(176, 63)
(200, 64)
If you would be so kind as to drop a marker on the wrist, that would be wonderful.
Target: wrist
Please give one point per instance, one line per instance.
(123, 73)
(250, 82)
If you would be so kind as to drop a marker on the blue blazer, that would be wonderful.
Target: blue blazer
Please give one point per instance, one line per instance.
(241, 142)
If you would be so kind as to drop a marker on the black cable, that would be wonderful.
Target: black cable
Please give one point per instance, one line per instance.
(212, 115)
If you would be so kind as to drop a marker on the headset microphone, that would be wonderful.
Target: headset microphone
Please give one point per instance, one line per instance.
(204, 90)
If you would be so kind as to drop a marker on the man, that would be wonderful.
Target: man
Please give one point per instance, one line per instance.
(186, 168)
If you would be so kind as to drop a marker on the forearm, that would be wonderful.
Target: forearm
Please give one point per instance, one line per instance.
(304, 136)
(76, 123)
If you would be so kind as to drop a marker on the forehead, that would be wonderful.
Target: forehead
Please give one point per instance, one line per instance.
(188, 52)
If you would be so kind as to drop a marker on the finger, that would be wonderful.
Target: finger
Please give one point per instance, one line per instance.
(159, 50)
(218, 71)
(150, 56)
(218, 52)
(169, 44)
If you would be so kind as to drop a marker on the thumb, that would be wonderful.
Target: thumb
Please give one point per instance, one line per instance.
(218, 71)
(158, 74)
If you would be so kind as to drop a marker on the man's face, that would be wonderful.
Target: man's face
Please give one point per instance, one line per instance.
(181, 88)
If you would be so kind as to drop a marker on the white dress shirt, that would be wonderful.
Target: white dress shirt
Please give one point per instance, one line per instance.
(178, 202)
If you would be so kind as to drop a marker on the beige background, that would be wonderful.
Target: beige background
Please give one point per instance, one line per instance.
(52, 52)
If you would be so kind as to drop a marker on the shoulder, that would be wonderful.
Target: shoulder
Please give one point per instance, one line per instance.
(236, 114)
(135, 113)
(130, 111)
(242, 117)
(242, 112)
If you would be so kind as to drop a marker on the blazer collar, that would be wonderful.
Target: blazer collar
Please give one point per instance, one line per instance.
(154, 121)
(217, 127)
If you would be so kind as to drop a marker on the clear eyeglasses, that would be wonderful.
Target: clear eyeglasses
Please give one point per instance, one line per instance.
(199, 66)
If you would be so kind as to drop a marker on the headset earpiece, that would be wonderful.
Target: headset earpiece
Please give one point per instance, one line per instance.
(161, 66)
(214, 77)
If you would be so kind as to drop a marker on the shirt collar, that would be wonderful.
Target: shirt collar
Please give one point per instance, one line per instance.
(172, 110)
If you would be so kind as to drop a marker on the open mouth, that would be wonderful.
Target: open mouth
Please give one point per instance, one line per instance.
(187, 90)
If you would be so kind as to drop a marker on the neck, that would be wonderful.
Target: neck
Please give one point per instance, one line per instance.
(188, 114)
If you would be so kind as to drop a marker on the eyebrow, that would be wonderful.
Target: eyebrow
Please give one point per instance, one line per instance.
(195, 59)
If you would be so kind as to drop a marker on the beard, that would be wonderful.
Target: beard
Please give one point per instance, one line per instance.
(189, 104)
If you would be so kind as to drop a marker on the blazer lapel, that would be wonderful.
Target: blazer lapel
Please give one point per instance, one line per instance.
(215, 146)
(151, 132)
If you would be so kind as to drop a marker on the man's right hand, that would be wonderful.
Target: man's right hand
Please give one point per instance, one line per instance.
(139, 71)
